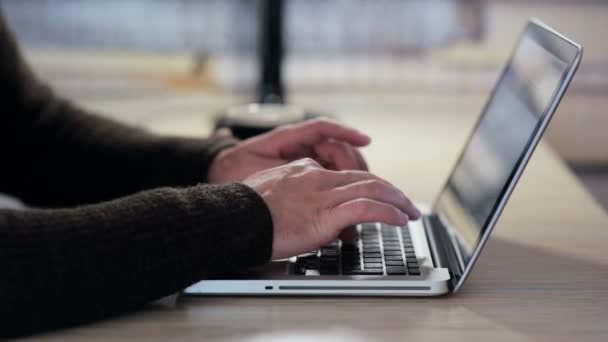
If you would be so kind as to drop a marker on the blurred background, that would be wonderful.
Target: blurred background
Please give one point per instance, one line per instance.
(171, 66)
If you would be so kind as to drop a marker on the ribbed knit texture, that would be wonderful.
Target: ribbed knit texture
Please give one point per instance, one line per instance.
(121, 218)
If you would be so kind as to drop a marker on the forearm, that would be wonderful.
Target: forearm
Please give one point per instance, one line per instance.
(56, 154)
(73, 265)
(77, 157)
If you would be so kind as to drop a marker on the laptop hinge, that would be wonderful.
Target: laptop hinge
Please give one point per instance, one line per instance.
(442, 249)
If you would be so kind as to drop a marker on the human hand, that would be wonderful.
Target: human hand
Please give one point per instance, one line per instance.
(311, 205)
(331, 144)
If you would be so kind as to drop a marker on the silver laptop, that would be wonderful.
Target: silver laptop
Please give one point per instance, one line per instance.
(434, 255)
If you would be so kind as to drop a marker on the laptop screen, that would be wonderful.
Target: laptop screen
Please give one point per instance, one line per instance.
(511, 122)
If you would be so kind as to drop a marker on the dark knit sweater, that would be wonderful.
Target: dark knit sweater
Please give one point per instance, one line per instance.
(120, 218)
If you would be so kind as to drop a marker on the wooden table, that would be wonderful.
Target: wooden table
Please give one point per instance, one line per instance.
(542, 276)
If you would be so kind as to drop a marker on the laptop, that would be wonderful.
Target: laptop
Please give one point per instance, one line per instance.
(433, 256)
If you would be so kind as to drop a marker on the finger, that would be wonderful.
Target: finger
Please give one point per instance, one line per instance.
(362, 163)
(292, 138)
(339, 155)
(363, 210)
(376, 190)
(343, 177)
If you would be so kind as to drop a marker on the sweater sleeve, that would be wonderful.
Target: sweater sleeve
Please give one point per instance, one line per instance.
(56, 154)
(66, 266)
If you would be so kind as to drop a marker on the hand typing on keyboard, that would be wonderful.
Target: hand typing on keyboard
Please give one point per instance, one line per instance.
(310, 205)
(376, 249)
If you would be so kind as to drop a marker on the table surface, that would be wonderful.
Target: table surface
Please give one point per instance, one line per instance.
(542, 276)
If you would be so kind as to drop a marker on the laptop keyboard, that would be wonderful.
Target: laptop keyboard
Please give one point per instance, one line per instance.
(378, 249)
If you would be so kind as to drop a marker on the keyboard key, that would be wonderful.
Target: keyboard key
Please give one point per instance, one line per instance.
(372, 250)
(395, 270)
(349, 252)
(392, 253)
(364, 272)
(390, 243)
(328, 271)
(312, 264)
(351, 262)
(373, 265)
(413, 271)
(392, 248)
(350, 258)
(394, 263)
(393, 257)
(371, 255)
(351, 268)
(370, 260)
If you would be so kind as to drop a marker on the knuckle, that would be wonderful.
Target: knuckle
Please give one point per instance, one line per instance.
(362, 208)
(302, 163)
(348, 174)
(297, 166)
(395, 213)
(315, 172)
(375, 187)
(308, 161)
(322, 121)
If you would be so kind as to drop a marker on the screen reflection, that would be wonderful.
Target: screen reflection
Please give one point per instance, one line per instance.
(507, 126)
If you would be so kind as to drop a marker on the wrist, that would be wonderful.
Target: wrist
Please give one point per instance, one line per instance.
(218, 166)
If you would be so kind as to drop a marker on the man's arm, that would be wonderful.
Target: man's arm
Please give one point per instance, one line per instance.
(55, 154)
(67, 266)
